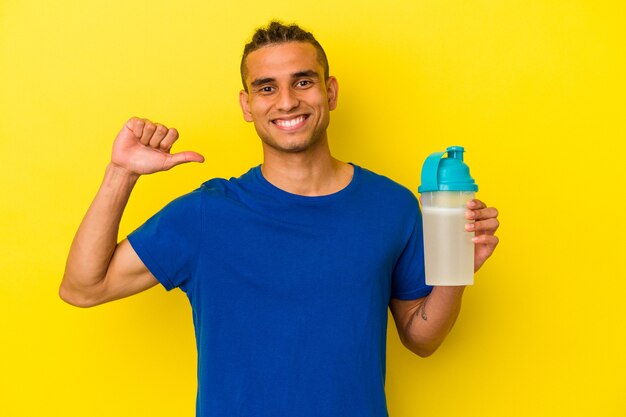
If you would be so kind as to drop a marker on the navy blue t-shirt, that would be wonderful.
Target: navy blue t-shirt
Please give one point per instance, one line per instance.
(289, 293)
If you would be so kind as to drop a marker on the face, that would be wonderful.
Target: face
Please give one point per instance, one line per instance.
(288, 98)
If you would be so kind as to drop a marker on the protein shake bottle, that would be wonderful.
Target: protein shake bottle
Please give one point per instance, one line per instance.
(445, 190)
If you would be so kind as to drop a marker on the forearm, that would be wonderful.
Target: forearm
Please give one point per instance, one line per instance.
(96, 238)
(433, 319)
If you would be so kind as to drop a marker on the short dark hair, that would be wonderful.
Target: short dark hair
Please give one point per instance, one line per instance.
(276, 33)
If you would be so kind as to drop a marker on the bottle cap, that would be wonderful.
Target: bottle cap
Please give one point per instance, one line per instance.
(446, 174)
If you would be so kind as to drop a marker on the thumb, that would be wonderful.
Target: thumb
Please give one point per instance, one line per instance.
(182, 158)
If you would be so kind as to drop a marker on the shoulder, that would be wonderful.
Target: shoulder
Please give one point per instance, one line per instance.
(216, 193)
(215, 189)
(385, 187)
(222, 189)
(191, 198)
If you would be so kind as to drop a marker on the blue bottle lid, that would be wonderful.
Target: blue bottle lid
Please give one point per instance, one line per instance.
(446, 174)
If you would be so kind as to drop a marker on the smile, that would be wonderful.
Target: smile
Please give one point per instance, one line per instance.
(290, 124)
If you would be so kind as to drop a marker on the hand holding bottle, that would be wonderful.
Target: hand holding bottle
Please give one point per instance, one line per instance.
(485, 224)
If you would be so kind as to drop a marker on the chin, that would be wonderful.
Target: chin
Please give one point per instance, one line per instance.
(292, 147)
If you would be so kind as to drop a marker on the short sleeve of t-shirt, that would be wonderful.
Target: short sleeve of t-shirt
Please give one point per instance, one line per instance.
(408, 282)
(168, 242)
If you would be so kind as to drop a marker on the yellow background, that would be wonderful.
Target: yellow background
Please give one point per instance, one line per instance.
(534, 90)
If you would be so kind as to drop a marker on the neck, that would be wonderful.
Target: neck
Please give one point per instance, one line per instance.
(313, 172)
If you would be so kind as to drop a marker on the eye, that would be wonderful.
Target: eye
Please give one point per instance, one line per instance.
(265, 89)
(304, 83)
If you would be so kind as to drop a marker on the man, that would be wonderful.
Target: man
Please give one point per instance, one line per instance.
(290, 268)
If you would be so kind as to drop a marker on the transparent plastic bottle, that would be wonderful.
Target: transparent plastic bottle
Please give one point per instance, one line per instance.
(445, 190)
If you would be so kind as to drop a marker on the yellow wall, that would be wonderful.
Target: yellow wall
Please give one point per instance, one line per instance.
(534, 90)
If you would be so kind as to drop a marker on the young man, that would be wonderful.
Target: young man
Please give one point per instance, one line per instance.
(290, 268)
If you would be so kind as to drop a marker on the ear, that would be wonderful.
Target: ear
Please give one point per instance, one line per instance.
(245, 106)
(332, 90)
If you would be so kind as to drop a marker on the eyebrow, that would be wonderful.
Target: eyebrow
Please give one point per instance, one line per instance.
(261, 81)
(304, 73)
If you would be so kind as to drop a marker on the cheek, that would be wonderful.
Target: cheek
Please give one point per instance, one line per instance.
(259, 107)
(319, 99)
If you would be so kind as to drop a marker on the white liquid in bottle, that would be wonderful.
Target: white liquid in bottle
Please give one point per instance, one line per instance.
(448, 247)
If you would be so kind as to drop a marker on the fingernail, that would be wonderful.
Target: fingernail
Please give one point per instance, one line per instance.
(469, 227)
(469, 214)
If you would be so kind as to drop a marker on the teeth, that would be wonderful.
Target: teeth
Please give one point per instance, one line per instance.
(290, 123)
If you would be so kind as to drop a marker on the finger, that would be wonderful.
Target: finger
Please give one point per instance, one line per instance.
(475, 204)
(148, 130)
(181, 158)
(488, 240)
(135, 124)
(169, 139)
(482, 214)
(488, 226)
(159, 134)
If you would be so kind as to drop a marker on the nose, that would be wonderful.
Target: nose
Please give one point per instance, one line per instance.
(287, 100)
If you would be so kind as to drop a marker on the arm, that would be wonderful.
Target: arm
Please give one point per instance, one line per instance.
(98, 269)
(424, 323)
